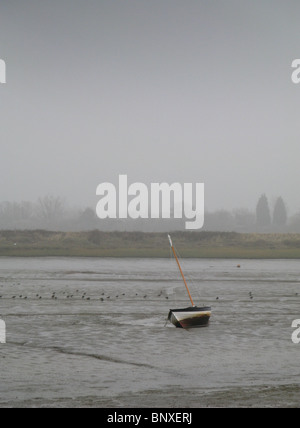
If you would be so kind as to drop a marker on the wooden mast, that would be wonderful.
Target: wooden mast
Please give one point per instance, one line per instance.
(174, 252)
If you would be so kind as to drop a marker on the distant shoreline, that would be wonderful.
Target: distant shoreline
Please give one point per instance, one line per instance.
(233, 245)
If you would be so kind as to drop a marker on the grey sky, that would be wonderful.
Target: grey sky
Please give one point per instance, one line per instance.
(162, 90)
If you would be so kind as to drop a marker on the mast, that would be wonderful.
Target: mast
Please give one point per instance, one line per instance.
(176, 258)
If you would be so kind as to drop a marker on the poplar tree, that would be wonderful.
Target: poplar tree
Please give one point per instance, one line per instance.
(263, 216)
(279, 213)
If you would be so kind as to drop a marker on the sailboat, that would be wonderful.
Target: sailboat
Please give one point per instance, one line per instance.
(193, 316)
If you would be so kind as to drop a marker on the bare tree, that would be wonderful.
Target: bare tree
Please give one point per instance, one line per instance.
(16, 215)
(50, 210)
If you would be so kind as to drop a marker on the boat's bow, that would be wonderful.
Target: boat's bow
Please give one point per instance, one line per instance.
(194, 316)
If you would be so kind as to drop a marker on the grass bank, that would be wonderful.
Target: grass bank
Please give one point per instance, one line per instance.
(41, 243)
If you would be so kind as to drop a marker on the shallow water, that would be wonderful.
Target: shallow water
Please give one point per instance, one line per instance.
(67, 348)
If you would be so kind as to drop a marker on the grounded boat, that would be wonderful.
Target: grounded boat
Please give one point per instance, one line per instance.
(193, 316)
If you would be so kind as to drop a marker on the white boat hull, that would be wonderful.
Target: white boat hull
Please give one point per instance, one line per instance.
(190, 317)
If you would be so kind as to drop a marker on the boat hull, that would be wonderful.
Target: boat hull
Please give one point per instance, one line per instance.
(190, 317)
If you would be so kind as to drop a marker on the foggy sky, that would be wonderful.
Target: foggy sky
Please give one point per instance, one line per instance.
(160, 90)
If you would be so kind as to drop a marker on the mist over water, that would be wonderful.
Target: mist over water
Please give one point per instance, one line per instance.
(67, 347)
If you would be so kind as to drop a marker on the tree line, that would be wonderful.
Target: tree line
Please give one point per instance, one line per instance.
(52, 213)
(263, 213)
